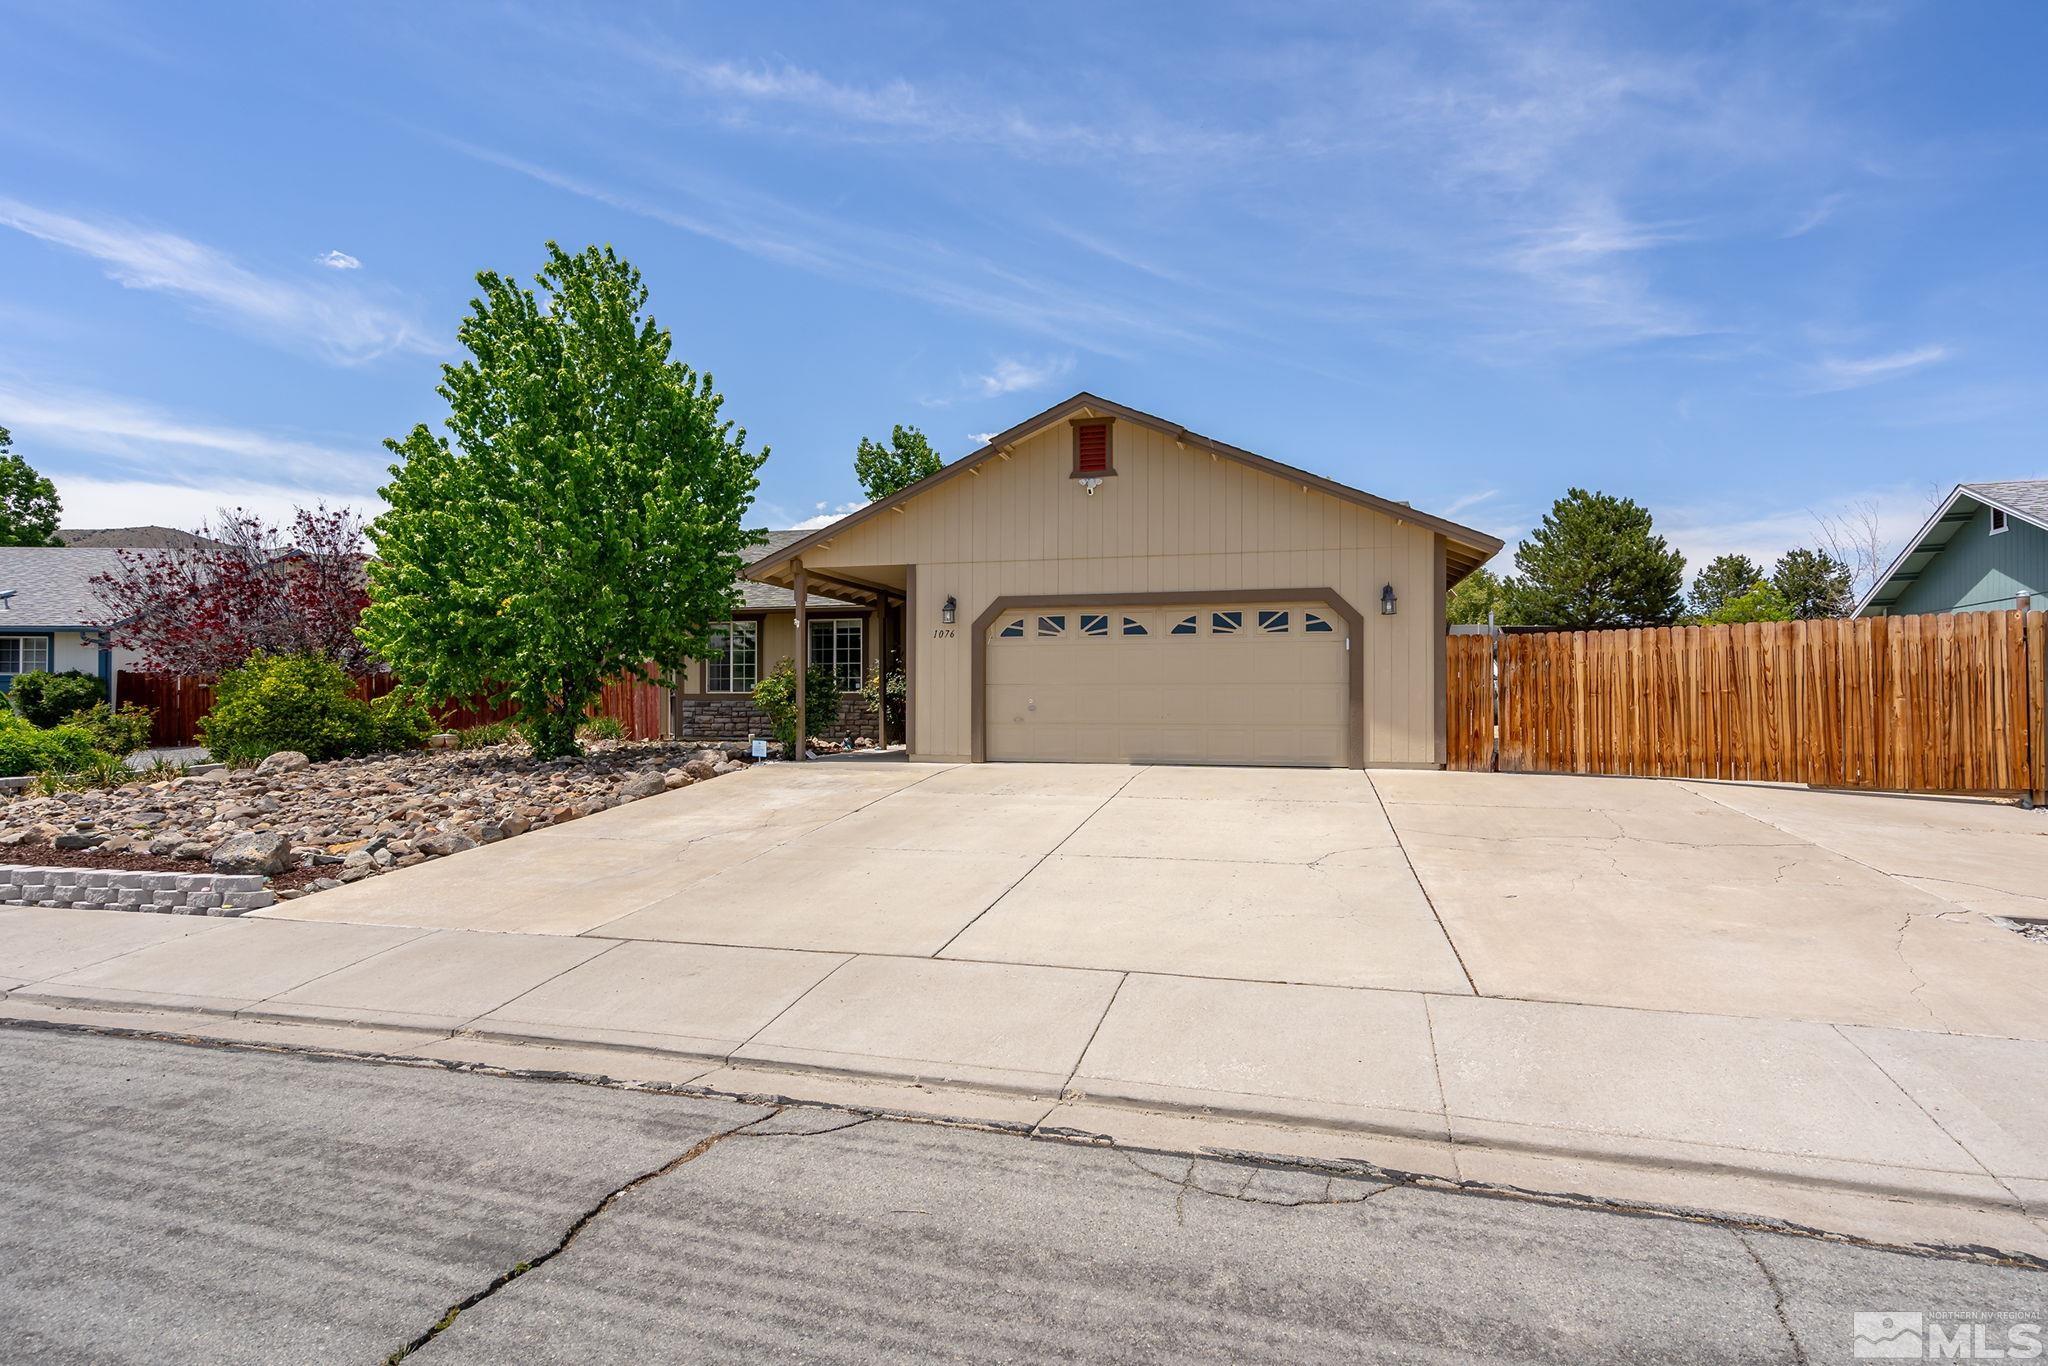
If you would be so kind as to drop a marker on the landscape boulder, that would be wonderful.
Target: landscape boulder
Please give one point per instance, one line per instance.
(284, 761)
(252, 851)
(647, 784)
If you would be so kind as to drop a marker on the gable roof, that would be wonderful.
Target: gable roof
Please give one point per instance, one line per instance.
(52, 585)
(134, 538)
(2026, 499)
(1466, 548)
(757, 595)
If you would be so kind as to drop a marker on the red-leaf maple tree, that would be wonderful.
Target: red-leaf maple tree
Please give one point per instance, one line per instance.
(296, 589)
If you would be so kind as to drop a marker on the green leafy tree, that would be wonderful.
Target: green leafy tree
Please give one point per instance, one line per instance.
(29, 506)
(1762, 602)
(884, 469)
(586, 520)
(1594, 561)
(1725, 577)
(1814, 584)
(1476, 595)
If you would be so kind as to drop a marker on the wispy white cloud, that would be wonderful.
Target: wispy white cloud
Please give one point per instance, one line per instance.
(1703, 531)
(1814, 216)
(1012, 375)
(335, 321)
(1469, 501)
(148, 439)
(90, 501)
(981, 438)
(338, 260)
(1833, 373)
(916, 267)
(825, 515)
(938, 113)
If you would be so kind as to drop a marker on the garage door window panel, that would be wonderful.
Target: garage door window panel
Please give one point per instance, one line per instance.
(1052, 626)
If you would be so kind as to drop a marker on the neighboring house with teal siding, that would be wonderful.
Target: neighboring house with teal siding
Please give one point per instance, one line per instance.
(1982, 551)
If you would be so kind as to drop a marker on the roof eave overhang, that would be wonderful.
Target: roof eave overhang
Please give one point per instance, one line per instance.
(1466, 548)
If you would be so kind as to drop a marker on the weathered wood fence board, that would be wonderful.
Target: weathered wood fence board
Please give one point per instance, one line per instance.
(180, 701)
(1949, 703)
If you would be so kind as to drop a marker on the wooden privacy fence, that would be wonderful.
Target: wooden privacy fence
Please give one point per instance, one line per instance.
(1950, 703)
(179, 701)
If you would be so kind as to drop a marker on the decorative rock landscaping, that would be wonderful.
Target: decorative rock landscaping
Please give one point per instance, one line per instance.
(318, 825)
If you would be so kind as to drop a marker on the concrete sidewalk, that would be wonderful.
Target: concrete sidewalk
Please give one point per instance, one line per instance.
(1903, 1135)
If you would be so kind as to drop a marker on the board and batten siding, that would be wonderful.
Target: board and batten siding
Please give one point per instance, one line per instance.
(1979, 572)
(1170, 519)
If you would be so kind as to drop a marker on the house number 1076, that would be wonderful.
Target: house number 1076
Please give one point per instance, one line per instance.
(942, 633)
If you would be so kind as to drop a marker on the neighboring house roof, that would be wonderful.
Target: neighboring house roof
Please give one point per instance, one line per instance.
(767, 595)
(134, 538)
(1467, 547)
(52, 585)
(2026, 499)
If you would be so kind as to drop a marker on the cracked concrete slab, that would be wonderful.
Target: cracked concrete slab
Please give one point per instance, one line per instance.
(982, 1024)
(436, 983)
(1365, 924)
(1986, 1093)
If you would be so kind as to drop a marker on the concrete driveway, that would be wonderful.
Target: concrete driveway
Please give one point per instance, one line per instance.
(1781, 1002)
(1732, 900)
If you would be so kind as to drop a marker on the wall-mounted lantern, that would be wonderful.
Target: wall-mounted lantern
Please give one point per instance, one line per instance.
(1388, 603)
(947, 612)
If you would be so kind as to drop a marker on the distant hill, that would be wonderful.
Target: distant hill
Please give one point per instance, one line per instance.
(134, 538)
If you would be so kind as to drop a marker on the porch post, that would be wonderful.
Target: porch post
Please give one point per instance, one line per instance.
(803, 664)
(880, 635)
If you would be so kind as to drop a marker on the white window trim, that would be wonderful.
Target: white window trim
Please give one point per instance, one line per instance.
(2000, 523)
(21, 644)
(751, 629)
(834, 629)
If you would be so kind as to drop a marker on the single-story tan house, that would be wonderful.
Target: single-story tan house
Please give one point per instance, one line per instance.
(1097, 584)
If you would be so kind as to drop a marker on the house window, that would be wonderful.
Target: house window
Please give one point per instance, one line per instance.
(1052, 626)
(1094, 624)
(1225, 623)
(735, 663)
(835, 645)
(1997, 520)
(24, 655)
(1092, 450)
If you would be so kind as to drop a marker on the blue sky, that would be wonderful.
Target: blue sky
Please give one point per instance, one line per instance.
(1745, 263)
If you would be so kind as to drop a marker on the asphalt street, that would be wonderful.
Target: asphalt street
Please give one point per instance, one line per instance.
(172, 1203)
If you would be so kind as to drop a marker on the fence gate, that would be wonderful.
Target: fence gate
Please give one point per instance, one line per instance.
(1947, 703)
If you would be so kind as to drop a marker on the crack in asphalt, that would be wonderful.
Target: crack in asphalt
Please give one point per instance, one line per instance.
(606, 1201)
(1186, 1182)
(1777, 1298)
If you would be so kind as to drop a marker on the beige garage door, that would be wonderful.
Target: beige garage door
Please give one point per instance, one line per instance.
(1259, 684)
